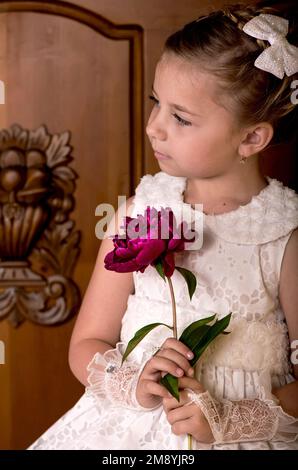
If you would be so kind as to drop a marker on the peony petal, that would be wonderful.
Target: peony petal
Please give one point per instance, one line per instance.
(135, 245)
(168, 263)
(109, 258)
(151, 250)
(176, 244)
(124, 267)
(123, 253)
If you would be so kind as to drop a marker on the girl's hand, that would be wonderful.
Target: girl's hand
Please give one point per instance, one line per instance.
(186, 417)
(173, 357)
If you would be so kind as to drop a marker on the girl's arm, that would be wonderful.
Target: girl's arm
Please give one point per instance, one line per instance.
(98, 324)
(288, 294)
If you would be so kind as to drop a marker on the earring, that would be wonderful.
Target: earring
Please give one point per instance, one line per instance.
(243, 160)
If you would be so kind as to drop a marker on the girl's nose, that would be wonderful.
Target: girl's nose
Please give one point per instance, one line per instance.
(155, 129)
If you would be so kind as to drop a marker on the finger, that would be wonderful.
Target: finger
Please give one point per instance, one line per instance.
(192, 383)
(154, 388)
(178, 358)
(171, 403)
(180, 414)
(162, 364)
(184, 426)
(175, 344)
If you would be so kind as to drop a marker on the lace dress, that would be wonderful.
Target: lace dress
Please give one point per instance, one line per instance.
(237, 270)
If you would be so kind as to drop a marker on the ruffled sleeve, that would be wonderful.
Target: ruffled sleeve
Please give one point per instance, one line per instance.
(111, 380)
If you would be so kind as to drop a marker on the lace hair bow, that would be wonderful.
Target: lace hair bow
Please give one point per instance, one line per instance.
(280, 57)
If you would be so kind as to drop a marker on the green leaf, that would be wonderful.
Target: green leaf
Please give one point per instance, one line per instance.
(171, 384)
(139, 335)
(193, 331)
(190, 337)
(210, 334)
(197, 336)
(159, 268)
(190, 280)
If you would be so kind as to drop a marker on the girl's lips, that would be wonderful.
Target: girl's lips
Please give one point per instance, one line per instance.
(161, 156)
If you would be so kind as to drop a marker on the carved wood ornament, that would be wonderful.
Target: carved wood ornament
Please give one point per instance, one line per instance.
(38, 244)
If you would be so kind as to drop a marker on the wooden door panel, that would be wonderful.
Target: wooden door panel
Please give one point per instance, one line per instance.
(64, 75)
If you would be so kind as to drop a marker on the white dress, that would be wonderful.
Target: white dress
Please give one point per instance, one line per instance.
(237, 271)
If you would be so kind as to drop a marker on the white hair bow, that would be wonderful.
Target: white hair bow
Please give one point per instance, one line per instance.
(279, 58)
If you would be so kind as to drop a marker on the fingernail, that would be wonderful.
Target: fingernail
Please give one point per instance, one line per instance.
(190, 372)
(190, 355)
(179, 372)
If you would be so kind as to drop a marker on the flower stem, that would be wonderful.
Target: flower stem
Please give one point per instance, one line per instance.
(176, 335)
(173, 308)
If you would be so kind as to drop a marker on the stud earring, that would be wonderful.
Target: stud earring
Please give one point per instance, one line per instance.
(243, 160)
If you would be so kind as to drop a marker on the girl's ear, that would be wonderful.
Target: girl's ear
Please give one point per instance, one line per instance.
(255, 139)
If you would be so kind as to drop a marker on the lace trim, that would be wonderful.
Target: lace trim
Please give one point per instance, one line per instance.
(271, 214)
(108, 379)
(246, 420)
(287, 425)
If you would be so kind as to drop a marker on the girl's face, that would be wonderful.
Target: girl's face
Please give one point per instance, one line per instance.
(199, 137)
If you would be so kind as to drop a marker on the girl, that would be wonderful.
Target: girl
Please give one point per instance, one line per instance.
(221, 95)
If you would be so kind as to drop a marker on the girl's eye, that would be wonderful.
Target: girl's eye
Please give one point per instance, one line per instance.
(181, 121)
(151, 97)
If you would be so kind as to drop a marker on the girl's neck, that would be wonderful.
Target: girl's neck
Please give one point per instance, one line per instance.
(226, 193)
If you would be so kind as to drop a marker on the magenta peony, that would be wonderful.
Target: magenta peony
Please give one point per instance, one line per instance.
(148, 240)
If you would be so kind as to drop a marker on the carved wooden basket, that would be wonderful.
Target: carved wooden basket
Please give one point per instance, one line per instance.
(38, 247)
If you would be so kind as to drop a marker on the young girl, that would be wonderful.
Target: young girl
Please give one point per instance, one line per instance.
(221, 95)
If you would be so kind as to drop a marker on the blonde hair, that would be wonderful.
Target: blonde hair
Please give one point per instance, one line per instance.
(220, 47)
